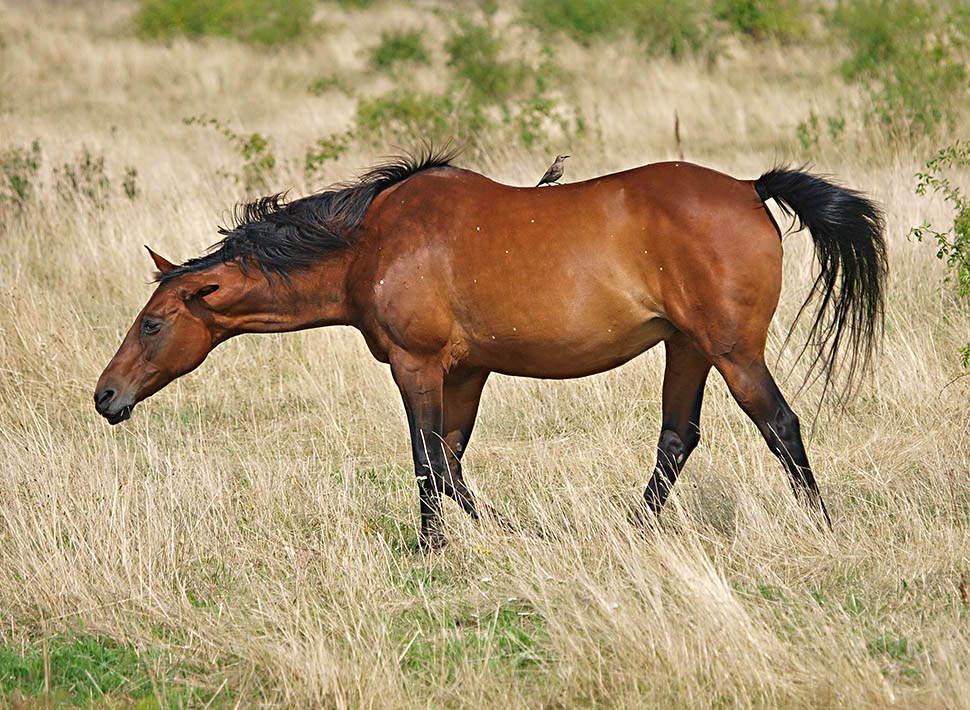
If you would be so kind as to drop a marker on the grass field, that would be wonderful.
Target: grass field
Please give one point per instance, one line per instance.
(248, 538)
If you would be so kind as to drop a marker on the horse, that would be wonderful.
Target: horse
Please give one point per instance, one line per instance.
(450, 276)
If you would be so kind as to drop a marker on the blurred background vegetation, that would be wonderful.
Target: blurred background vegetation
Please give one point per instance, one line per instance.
(911, 56)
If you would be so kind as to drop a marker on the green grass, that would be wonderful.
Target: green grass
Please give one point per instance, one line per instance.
(85, 670)
(438, 644)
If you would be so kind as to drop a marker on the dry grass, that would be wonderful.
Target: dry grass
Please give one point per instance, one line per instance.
(255, 522)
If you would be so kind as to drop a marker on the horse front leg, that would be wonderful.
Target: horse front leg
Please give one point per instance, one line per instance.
(421, 382)
(683, 392)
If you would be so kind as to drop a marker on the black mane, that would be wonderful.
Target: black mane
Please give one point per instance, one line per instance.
(279, 236)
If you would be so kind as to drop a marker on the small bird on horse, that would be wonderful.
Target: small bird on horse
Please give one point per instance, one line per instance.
(554, 173)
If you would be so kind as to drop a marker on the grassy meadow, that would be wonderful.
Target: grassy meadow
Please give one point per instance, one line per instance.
(248, 538)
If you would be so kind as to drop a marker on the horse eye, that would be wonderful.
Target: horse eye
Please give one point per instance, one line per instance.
(150, 327)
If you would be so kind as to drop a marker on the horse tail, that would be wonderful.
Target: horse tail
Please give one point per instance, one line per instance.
(847, 230)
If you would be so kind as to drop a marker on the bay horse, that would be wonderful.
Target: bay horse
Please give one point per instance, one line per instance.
(450, 276)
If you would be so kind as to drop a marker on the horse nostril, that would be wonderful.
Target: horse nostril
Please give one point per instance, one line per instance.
(103, 397)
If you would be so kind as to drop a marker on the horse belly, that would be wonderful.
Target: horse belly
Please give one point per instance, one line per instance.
(570, 352)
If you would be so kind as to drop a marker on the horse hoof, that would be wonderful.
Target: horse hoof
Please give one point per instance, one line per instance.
(643, 518)
(431, 541)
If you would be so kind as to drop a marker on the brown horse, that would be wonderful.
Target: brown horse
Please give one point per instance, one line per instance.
(450, 276)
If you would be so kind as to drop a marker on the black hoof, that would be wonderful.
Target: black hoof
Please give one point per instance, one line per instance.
(429, 541)
(643, 517)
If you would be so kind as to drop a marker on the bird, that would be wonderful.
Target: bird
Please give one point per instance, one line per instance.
(554, 172)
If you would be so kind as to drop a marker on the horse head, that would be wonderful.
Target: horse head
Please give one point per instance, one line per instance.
(171, 336)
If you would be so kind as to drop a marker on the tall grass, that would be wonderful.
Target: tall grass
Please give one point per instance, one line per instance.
(247, 539)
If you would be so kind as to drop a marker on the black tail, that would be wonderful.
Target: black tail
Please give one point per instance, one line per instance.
(847, 230)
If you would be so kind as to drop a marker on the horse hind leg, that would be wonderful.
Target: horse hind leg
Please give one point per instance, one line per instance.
(461, 395)
(683, 392)
(755, 390)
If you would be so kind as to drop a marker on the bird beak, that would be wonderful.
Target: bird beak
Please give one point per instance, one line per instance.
(565, 156)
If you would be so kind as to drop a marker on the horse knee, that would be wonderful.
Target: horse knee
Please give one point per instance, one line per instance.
(672, 450)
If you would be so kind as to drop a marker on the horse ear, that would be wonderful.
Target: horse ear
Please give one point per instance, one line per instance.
(161, 263)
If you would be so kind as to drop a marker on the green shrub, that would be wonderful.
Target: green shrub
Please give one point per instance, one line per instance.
(781, 19)
(474, 52)
(324, 150)
(414, 114)
(84, 178)
(879, 32)
(264, 22)
(809, 131)
(323, 84)
(535, 114)
(258, 160)
(399, 46)
(507, 98)
(911, 57)
(18, 166)
(674, 27)
(584, 20)
(128, 183)
(953, 244)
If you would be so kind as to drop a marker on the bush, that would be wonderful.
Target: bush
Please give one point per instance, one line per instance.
(264, 22)
(506, 97)
(953, 245)
(404, 112)
(809, 131)
(781, 19)
(84, 178)
(258, 160)
(18, 166)
(911, 57)
(399, 46)
(673, 27)
(323, 151)
(584, 20)
(474, 52)
(128, 184)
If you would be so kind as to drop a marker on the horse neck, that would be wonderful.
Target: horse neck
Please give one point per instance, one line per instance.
(307, 298)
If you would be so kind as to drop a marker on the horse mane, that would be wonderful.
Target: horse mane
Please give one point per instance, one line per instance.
(280, 236)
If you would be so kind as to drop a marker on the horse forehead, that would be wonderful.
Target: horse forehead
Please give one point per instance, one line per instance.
(165, 300)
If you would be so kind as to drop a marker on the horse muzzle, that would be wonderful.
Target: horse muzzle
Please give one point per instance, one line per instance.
(113, 407)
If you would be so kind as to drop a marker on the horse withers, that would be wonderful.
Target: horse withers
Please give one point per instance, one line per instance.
(450, 276)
